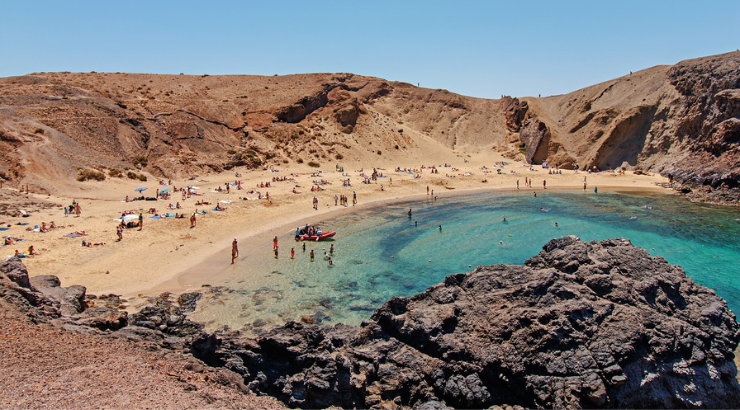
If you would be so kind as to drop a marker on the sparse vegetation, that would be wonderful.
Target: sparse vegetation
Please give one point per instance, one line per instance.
(339, 156)
(140, 161)
(380, 152)
(90, 174)
(38, 131)
(299, 161)
(133, 175)
(314, 164)
(115, 173)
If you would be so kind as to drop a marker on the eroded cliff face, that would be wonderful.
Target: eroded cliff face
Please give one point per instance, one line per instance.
(581, 325)
(682, 121)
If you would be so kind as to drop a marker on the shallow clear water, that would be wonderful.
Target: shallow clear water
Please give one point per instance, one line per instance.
(381, 253)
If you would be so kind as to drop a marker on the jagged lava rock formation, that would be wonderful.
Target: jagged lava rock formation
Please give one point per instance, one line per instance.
(58, 351)
(581, 325)
(681, 120)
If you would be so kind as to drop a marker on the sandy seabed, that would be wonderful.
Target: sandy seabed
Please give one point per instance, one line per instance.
(169, 255)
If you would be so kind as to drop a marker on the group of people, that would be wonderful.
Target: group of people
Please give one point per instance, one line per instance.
(73, 208)
(341, 200)
(30, 252)
(46, 228)
(308, 230)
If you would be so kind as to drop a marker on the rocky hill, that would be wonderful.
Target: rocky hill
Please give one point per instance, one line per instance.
(682, 121)
(580, 325)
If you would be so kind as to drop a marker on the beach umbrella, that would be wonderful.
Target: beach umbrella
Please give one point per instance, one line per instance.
(141, 188)
(164, 191)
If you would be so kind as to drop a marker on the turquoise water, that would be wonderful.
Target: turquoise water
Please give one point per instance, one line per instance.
(380, 253)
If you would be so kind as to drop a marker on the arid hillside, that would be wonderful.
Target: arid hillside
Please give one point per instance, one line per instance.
(682, 121)
(55, 128)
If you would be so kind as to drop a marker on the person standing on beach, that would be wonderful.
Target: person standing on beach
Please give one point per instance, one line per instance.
(234, 251)
(193, 220)
(119, 232)
(292, 252)
(517, 184)
(141, 221)
(312, 255)
(354, 198)
(274, 243)
(544, 184)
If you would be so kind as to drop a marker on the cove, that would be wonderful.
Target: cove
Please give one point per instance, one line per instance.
(381, 252)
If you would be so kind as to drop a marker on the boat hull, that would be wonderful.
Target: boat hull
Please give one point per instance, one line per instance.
(324, 235)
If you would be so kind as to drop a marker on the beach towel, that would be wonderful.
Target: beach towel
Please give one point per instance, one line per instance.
(216, 210)
(169, 215)
(73, 235)
(156, 217)
(4, 229)
(225, 201)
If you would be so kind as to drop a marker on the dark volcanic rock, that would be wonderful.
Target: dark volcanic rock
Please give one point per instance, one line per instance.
(599, 324)
(709, 120)
(70, 299)
(16, 288)
(168, 317)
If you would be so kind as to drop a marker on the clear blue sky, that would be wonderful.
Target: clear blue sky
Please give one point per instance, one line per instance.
(475, 48)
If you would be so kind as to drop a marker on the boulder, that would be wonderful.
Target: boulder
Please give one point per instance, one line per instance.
(16, 288)
(70, 299)
(580, 325)
(102, 318)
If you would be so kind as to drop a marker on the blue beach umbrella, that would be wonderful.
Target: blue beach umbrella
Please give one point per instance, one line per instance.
(141, 188)
(164, 191)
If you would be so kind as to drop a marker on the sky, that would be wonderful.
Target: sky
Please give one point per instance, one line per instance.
(475, 48)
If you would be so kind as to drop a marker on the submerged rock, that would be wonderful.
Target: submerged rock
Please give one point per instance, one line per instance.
(580, 325)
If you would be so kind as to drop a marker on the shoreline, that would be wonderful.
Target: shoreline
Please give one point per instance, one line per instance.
(198, 275)
(169, 256)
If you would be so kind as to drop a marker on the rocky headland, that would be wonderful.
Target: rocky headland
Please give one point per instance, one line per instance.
(580, 325)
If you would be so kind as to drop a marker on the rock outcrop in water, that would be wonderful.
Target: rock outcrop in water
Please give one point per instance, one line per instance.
(581, 325)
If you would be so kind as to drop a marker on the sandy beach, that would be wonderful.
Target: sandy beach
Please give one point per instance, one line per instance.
(169, 255)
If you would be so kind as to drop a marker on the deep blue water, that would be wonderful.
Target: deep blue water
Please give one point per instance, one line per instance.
(380, 253)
